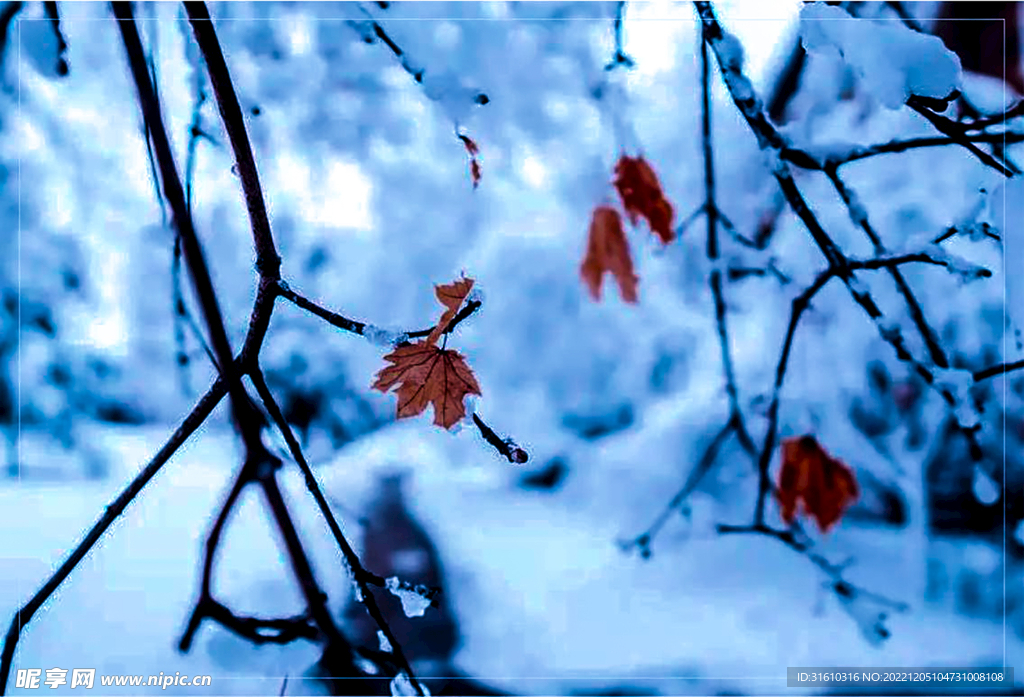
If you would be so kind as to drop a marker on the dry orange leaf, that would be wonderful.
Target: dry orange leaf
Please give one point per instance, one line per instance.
(474, 164)
(425, 374)
(608, 251)
(451, 295)
(811, 478)
(641, 194)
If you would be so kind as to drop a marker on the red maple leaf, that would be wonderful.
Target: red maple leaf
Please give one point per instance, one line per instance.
(813, 479)
(608, 251)
(425, 374)
(641, 194)
(451, 295)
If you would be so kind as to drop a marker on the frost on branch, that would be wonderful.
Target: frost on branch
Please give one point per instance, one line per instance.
(401, 686)
(414, 601)
(731, 52)
(957, 383)
(985, 489)
(383, 642)
(385, 338)
(451, 93)
(1005, 213)
(892, 61)
(869, 618)
(965, 270)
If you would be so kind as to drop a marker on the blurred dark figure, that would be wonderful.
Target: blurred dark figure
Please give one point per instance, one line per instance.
(395, 544)
(974, 32)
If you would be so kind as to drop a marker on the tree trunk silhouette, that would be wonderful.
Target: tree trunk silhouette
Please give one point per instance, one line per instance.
(395, 544)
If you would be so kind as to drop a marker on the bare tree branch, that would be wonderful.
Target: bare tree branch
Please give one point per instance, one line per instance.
(839, 585)
(619, 59)
(351, 559)
(53, 14)
(746, 100)
(372, 31)
(111, 513)
(859, 217)
(268, 262)
(7, 14)
(360, 328)
(505, 446)
(644, 540)
(950, 128)
(805, 160)
(260, 465)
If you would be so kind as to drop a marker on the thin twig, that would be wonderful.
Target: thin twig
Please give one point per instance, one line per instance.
(898, 146)
(859, 217)
(715, 281)
(195, 134)
(332, 318)
(506, 447)
(260, 465)
(258, 630)
(377, 32)
(890, 263)
(351, 559)
(981, 123)
(268, 263)
(355, 327)
(53, 14)
(1000, 369)
(841, 586)
(620, 59)
(213, 538)
(949, 128)
(644, 540)
(468, 309)
(800, 305)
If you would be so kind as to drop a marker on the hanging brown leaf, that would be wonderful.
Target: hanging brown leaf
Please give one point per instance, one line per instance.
(425, 374)
(451, 295)
(812, 479)
(608, 251)
(641, 194)
(474, 164)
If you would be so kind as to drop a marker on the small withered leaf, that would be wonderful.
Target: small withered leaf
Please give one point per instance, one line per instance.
(642, 196)
(474, 164)
(451, 295)
(811, 479)
(608, 251)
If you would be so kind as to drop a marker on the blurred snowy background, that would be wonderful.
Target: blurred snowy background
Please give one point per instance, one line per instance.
(372, 204)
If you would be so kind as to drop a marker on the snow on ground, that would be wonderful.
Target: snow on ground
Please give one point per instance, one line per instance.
(547, 600)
